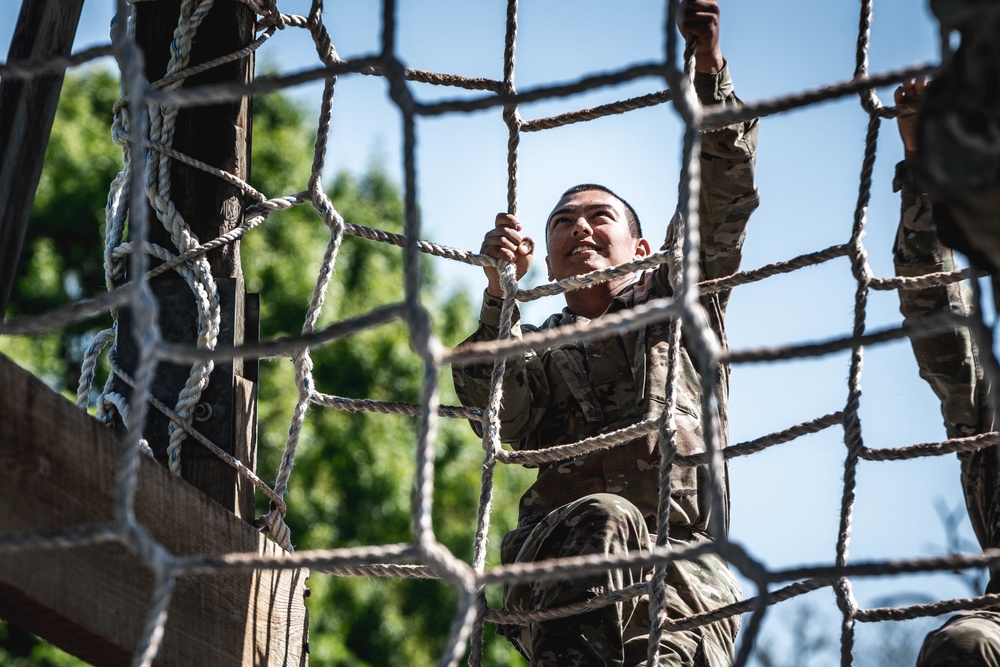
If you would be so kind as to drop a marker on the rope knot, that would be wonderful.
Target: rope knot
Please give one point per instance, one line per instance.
(273, 524)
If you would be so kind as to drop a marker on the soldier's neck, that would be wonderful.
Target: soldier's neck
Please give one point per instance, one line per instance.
(592, 302)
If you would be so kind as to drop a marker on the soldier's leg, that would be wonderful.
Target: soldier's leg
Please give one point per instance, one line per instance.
(969, 639)
(599, 524)
(696, 586)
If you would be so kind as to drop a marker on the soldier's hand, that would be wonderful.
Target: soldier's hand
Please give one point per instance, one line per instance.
(701, 21)
(909, 93)
(504, 242)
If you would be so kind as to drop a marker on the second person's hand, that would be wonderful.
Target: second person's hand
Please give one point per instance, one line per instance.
(909, 93)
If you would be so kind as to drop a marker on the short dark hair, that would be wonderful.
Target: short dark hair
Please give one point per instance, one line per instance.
(630, 215)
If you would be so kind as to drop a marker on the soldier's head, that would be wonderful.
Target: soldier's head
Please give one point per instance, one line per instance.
(591, 228)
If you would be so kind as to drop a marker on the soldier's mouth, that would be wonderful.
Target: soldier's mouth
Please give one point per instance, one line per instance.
(580, 249)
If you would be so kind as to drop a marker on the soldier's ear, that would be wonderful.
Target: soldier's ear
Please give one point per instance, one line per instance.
(548, 265)
(642, 248)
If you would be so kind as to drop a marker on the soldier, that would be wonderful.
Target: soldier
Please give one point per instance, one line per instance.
(606, 502)
(949, 363)
(959, 124)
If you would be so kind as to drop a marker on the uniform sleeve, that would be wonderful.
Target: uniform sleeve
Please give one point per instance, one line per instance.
(728, 192)
(525, 388)
(948, 361)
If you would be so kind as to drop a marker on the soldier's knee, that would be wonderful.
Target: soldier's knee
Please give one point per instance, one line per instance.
(606, 505)
(600, 519)
(971, 639)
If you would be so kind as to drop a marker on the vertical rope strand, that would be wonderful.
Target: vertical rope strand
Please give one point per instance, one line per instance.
(667, 443)
(852, 421)
(145, 325)
(508, 282)
(869, 99)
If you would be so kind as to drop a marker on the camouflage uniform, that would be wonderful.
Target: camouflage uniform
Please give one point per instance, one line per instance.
(606, 502)
(949, 363)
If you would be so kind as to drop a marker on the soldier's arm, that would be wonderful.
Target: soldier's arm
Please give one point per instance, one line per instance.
(525, 388)
(728, 192)
(947, 360)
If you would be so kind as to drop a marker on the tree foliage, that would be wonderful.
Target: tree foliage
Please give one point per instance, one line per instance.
(353, 475)
(62, 256)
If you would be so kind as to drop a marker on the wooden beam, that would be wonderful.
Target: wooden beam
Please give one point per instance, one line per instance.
(57, 470)
(27, 109)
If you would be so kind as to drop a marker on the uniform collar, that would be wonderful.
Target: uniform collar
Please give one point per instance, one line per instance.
(623, 300)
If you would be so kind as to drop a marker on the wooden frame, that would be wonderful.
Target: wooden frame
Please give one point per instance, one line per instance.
(57, 471)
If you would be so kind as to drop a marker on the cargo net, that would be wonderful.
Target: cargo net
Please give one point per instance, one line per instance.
(144, 124)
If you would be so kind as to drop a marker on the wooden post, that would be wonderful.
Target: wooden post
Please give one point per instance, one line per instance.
(27, 109)
(219, 136)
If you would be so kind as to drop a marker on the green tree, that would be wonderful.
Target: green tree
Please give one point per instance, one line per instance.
(353, 475)
(62, 257)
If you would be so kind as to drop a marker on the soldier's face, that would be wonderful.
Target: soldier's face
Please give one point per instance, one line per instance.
(587, 231)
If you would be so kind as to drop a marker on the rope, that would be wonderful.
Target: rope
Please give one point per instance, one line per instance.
(143, 127)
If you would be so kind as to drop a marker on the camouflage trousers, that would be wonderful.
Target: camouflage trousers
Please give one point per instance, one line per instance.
(968, 639)
(616, 634)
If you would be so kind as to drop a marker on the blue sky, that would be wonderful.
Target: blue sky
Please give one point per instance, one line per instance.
(786, 500)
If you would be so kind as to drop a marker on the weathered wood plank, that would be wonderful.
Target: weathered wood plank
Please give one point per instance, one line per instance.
(27, 109)
(57, 469)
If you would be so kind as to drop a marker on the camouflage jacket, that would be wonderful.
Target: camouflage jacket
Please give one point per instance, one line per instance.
(948, 361)
(562, 395)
